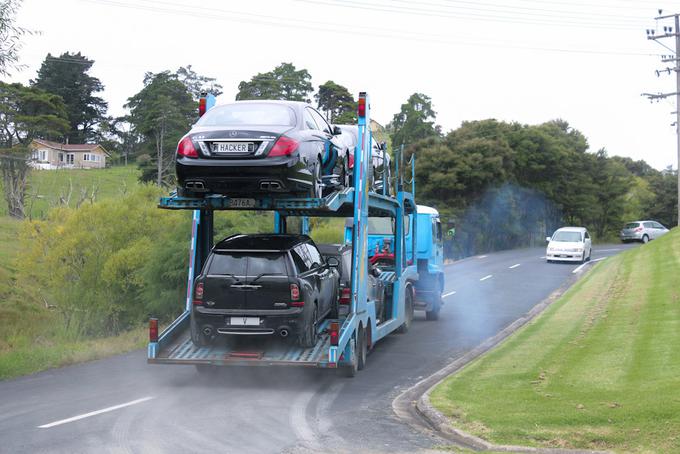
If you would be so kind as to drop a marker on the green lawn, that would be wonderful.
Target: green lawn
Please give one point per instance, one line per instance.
(47, 187)
(599, 369)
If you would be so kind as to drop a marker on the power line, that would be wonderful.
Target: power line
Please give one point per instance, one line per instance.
(232, 16)
(670, 32)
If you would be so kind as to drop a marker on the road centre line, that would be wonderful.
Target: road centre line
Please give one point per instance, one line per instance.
(94, 413)
(486, 277)
(542, 257)
(448, 294)
(514, 266)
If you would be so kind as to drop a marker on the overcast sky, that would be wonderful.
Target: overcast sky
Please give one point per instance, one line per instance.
(528, 61)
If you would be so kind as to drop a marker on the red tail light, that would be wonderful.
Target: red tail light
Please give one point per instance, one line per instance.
(334, 333)
(153, 330)
(295, 296)
(201, 106)
(361, 105)
(198, 294)
(345, 295)
(285, 146)
(351, 160)
(186, 148)
(639, 229)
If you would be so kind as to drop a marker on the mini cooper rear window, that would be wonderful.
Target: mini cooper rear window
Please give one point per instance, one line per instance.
(245, 114)
(247, 264)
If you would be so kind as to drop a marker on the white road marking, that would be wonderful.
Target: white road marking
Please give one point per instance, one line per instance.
(486, 277)
(481, 256)
(93, 413)
(608, 250)
(448, 294)
(597, 260)
(578, 268)
(514, 266)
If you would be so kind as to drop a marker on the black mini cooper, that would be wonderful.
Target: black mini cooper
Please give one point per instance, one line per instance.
(265, 284)
(273, 147)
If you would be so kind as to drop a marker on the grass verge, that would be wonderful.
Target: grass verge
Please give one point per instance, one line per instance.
(29, 352)
(599, 369)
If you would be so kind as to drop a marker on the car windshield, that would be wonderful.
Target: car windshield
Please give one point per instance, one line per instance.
(631, 225)
(380, 226)
(250, 264)
(252, 114)
(567, 237)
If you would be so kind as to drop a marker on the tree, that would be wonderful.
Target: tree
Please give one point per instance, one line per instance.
(337, 103)
(26, 113)
(283, 82)
(161, 113)
(415, 121)
(197, 84)
(67, 76)
(10, 36)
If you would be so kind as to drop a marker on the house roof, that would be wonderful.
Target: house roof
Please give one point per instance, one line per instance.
(70, 146)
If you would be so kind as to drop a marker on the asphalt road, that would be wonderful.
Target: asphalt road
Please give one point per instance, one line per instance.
(123, 405)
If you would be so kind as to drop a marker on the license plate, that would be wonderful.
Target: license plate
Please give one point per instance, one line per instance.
(242, 203)
(233, 147)
(245, 321)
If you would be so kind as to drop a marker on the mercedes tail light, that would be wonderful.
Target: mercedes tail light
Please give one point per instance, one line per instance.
(284, 146)
(186, 148)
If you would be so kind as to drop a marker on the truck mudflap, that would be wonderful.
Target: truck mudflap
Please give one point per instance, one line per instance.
(246, 351)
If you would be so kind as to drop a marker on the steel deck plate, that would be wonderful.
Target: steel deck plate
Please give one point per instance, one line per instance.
(245, 351)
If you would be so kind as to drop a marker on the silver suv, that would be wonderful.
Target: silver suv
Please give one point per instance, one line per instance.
(642, 231)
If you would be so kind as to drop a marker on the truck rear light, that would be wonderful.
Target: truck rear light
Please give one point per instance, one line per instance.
(345, 296)
(361, 105)
(284, 146)
(202, 103)
(153, 330)
(186, 148)
(334, 333)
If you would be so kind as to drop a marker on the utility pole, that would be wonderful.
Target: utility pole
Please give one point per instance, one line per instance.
(670, 32)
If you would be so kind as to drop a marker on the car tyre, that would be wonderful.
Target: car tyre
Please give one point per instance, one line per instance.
(316, 191)
(645, 239)
(346, 175)
(408, 311)
(308, 337)
(197, 337)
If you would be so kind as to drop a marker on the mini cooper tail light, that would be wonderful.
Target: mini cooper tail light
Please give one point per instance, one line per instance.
(186, 148)
(284, 146)
(295, 296)
(198, 294)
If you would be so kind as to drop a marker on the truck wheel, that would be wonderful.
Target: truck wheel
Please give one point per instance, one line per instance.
(362, 348)
(436, 305)
(309, 334)
(350, 370)
(408, 311)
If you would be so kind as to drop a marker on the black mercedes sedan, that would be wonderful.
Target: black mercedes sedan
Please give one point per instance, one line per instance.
(264, 284)
(250, 147)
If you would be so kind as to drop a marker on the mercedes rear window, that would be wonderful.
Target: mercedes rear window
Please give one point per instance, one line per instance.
(244, 114)
(247, 264)
(631, 225)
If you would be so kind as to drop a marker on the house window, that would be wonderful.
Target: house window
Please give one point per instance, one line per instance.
(40, 155)
(61, 157)
(70, 158)
(86, 157)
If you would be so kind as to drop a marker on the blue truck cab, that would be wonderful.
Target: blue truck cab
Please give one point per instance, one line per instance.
(429, 256)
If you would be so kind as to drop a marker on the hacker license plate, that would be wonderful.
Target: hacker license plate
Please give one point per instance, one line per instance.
(233, 147)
